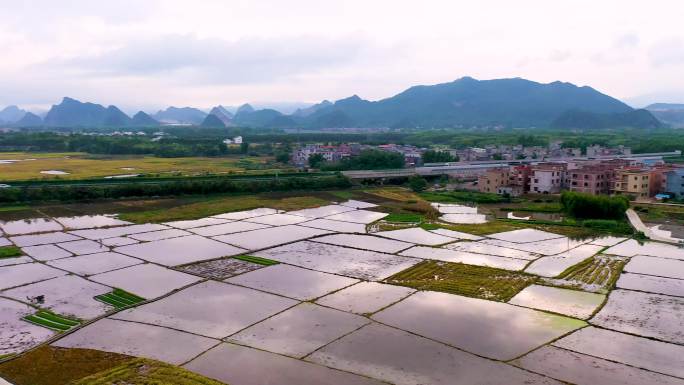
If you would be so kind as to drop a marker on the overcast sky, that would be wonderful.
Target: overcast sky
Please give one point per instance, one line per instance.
(150, 54)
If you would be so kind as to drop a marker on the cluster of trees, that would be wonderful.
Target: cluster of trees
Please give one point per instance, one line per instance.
(126, 145)
(368, 160)
(587, 206)
(188, 186)
(431, 156)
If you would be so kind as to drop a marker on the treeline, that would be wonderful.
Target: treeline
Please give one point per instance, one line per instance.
(587, 206)
(123, 145)
(431, 156)
(175, 188)
(193, 141)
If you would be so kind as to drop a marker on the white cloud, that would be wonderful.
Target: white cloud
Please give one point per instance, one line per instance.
(158, 52)
(666, 52)
(190, 60)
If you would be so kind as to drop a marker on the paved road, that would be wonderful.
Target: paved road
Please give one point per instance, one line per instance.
(654, 234)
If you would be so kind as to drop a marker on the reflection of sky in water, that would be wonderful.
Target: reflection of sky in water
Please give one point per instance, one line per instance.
(493, 329)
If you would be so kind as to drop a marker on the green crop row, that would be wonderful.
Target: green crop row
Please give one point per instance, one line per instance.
(257, 260)
(50, 320)
(457, 278)
(600, 271)
(119, 298)
(9, 252)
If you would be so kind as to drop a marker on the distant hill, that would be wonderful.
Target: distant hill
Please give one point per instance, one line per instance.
(670, 113)
(223, 114)
(114, 117)
(142, 119)
(29, 120)
(261, 118)
(468, 102)
(212, 121)
(465, 102)
(72, 113)
(11, 114)
(183, 115)
(223, 110)
(304, 112)
(592, 120)
(244, 109)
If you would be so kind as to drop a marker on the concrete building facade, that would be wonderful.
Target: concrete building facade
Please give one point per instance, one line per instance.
(548, 178)
(492, 179)
(591, 179)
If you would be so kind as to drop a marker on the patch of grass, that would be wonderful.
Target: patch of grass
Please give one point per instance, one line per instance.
(257, 260)
(536, 207)
(346, 195)
(218, 205)
(6, 209)
(146, 372)
(475, 229)
(49, 365)
(9, 252)
(394, 193)
(82, 166)
(6, 356)
(119, 298)
(51, 320)
(404, 217)
(458, 278)
(463, 196)
(576, 229)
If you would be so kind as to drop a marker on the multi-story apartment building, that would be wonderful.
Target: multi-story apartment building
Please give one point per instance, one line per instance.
(591, 179)
(598, 151)
(639, 182)
(491, 180)
(548, 178)
(330, 153)
(674, 182)
(519, 177)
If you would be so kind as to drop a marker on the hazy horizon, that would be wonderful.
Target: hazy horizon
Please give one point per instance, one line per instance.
(159, 53)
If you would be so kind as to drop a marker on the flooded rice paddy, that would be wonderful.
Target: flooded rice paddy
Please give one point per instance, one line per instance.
(212, 309)
(491, 329)
(300, 330)
(416, 235)
(573, 303)
(367, 242)
(365, 297)
(308, 297)
(293, 282)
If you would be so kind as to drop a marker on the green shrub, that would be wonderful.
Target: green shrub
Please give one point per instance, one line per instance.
(587, 206)
(608, 225)
(417, 183)
(188, 186)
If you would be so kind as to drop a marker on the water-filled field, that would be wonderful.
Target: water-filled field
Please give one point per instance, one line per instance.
(318, 296)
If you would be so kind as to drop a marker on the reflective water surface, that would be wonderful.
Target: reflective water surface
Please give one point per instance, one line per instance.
(292, 281)
(300, 330)
(491, 329)
(213, 309)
